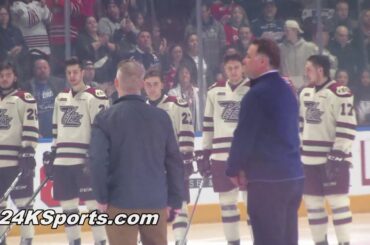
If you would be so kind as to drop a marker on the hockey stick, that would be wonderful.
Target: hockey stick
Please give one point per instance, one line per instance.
(5, 233)
(183, 241)
(11, 187)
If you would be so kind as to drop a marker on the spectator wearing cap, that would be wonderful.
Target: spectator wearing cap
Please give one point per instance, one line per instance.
(109, 24)
(213, 38)
(267, 26)
(89, 73)
(44, 87)
(294, 53)
(144, 50)
(96, 47)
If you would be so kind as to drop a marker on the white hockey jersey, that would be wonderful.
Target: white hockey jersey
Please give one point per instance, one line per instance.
(19, 126)
(31, 18)
(72, 119)
(221, 116)
(327, 122)
(181, 118)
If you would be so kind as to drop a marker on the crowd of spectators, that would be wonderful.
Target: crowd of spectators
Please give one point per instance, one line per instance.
(163, 34)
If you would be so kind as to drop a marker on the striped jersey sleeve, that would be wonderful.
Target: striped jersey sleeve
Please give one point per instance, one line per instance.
(30, 124)
(208, 125)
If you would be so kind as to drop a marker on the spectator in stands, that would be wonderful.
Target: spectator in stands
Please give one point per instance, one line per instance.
(125, 39)
(213, 37)
(192, 56)
(342, 77)
(363, 99)
(294, 53)
(44, 87)
(97, 48)
(176, 55)
(89, 73)
(341, 17)
(159, 43)
(221, 10)
(245, 38)
(78, 10)
(32, 18)
(361, 39)
(238, 18)
(112, 22)
(342, 47)
(267, 26)
(13, 48)
(325, 38)
(144, 50)
(186, 89)
(138, 18)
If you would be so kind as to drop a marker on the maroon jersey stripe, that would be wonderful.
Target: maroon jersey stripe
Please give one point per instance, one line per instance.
(346, 136)
(186, 134)
(30, 138)
(70, 155)
(318, 143)
(9, 148)
(346, 125)
(186, 143)
(31, 129)
(208, 129)
(72, 145)
(221, 150)
(222, 140)
(314, 154)
(207, 119)
(7, 157)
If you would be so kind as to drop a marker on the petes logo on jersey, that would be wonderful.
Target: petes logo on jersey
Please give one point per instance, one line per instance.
(4, 119)
(313, 114)
(71, 117)
(231, 110)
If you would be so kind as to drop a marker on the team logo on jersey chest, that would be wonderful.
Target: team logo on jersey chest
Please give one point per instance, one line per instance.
(71, 118)
(231, 110)
(4, 119)
(313, 113)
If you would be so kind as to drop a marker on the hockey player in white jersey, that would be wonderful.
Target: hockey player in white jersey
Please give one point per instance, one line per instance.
(220, 120)
(181, 118)
(74, 113)
(327, 124)
(18, 140)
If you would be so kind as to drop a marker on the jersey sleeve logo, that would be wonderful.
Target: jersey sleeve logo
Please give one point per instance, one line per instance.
(71, 118)
(4, 119)
(99, 93)
(342, 90)
(313, 113)
(231, 110)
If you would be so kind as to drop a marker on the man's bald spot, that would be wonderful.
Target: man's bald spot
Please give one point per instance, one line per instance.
(342, 30)
(130, 74)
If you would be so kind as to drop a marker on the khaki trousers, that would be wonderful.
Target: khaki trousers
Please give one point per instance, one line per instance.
(128, 234)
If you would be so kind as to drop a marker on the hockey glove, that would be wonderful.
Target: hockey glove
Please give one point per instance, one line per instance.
(336, 161)
(172, 213)
(203, 162)
(187, 158)
(26, 161)
(48, 162)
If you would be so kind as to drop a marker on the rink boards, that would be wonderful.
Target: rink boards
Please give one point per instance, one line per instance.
(360, 174)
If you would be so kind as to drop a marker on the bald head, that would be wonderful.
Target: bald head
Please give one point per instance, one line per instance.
(129, 79)
(342, 35)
